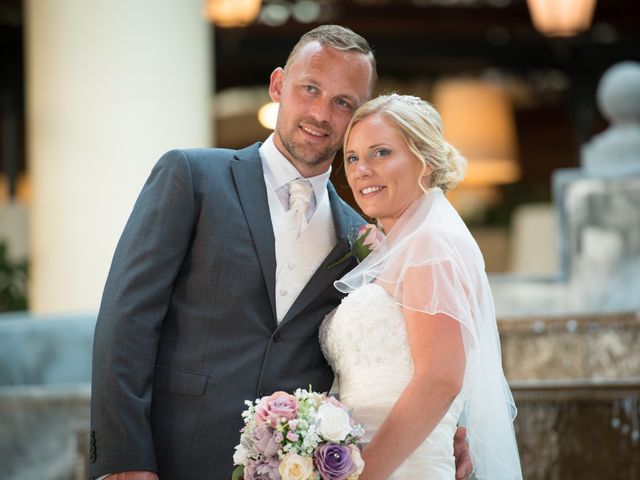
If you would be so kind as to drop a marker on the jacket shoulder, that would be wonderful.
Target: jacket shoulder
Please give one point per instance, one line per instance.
(204, 156)
(201, 160)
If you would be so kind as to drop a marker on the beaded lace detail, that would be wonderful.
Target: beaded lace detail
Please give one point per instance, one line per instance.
(367, 331)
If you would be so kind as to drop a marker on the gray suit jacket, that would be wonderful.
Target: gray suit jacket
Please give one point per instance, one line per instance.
(187, 326)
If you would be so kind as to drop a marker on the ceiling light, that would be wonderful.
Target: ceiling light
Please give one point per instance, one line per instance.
(231, 13)
(268, 115)
(561, 18)
(478, 120)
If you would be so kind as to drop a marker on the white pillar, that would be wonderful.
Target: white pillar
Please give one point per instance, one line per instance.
(111, 85)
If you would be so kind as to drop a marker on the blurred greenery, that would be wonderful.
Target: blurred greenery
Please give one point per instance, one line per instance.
(13, 282)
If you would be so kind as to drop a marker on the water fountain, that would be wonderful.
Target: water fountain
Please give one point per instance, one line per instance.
(571, 342)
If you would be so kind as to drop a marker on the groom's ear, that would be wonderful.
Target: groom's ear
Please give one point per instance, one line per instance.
(275, 84)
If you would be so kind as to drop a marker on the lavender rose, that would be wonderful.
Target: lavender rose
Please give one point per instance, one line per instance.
(263, 441)
(272, 409)
(262, 470)
(334, 462)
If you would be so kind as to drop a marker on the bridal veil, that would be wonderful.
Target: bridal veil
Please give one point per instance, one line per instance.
(430, 263)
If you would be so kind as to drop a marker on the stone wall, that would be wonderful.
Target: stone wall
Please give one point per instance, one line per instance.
(45, 349)
(596, 347)
(45, 374)
(44, 432)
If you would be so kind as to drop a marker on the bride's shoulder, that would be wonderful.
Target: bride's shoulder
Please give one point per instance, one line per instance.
(438, 244)
(435, 238)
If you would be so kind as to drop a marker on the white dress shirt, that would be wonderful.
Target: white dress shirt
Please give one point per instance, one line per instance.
(297, 257)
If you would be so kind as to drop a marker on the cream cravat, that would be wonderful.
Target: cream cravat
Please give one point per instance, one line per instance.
(300, 195)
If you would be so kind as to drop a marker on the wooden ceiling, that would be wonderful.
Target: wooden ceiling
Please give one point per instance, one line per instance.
(428, 41)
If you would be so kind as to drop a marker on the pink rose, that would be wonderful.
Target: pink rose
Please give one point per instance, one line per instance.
(263, 441)
(368, 238)
(336, 403)
(263, 469)
(276, 407)
(373, 238)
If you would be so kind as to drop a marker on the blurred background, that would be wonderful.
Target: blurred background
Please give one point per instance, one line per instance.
(92, 92)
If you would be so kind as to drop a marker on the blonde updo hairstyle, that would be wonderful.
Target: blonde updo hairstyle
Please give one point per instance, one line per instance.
(420, 126)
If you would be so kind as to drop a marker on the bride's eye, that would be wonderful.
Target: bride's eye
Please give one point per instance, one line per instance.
(350, 159)
(382, 152)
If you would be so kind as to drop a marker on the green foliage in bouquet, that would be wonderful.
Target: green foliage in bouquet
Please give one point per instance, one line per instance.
(238, 473)
(13, 282)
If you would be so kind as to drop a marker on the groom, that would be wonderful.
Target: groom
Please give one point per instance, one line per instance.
(220, 279)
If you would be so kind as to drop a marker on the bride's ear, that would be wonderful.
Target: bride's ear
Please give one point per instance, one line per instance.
(425, 181)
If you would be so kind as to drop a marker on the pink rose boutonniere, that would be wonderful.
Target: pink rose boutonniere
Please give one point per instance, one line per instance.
(368, 237)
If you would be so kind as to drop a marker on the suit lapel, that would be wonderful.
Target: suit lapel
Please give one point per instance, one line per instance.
(342, 220)
(325, 276)
(252, 192)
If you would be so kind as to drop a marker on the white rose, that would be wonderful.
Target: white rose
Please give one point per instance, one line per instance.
(357, 460)
(241, 455)
(295, 467)
(335, 423)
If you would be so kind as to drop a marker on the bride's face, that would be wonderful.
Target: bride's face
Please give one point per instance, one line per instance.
(381, 170)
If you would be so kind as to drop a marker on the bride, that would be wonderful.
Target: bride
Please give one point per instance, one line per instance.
(415, 344)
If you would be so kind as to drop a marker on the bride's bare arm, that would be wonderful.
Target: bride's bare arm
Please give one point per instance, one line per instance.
(439, 362)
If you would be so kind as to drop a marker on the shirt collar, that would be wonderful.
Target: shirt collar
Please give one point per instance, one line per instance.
(279, 171)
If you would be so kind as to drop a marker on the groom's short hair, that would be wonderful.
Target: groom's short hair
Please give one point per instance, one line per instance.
(340, 38)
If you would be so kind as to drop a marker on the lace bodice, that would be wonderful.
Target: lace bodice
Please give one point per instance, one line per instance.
(367, 331)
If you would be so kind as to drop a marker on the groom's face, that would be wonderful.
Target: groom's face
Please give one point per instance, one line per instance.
(318, 93)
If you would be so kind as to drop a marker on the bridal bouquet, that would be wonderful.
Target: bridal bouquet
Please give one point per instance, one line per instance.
(304, 436)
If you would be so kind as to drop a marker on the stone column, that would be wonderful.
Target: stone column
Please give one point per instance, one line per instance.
(111, 85)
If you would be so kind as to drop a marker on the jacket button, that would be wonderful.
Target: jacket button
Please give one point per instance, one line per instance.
(276, 337)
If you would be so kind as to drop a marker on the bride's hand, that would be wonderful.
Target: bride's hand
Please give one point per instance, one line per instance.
(461, 452)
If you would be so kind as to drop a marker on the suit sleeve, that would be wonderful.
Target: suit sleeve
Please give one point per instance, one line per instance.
(136, 297)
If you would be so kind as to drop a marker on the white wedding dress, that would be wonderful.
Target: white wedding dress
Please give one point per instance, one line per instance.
(365, 342)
